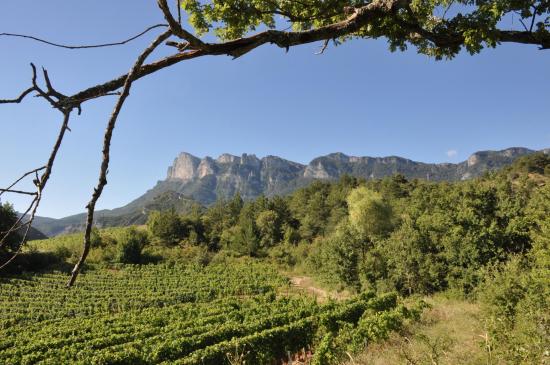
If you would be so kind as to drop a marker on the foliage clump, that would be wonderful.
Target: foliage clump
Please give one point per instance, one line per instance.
(437, 28)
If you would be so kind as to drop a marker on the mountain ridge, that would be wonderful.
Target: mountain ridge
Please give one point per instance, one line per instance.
(207, 179)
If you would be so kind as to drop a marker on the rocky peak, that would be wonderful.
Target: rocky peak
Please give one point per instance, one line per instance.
(318, 169)
(184, 167)
(328, 167)
(338, 156)
(491, 157)
(250, 160)
(226, 158)
(473, 159)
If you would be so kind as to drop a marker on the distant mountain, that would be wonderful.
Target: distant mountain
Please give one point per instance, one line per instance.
(33, 234)
(207, 179)
(133, 213)
(204, 180)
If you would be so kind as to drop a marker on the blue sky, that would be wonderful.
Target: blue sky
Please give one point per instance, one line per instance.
(358, 98)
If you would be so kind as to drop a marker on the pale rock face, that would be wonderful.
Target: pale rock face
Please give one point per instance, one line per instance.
(316, 171)
(472, 160)
(206, 167)
(250, 160)
(184, 167)
(226, 158)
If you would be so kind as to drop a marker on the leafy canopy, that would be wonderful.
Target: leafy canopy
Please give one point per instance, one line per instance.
(438, 28)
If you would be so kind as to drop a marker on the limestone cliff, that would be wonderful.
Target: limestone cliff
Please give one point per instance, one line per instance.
(208, 179)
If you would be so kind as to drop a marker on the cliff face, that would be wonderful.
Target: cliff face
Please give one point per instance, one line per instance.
(207, 179)
(184, 168)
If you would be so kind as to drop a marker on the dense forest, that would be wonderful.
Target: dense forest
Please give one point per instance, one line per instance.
(484, 240)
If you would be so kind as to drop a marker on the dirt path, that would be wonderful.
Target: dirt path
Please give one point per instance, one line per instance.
(307, 285)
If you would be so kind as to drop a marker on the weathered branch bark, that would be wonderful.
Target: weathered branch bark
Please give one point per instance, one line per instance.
(18, 192)
(106, 152)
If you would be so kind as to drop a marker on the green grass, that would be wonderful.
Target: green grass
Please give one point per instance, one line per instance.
(450, 332)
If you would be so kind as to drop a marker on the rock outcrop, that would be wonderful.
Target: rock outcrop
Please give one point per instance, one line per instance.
(207, 179)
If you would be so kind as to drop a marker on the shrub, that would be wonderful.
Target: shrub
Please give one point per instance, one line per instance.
(166, 227)
(130, 246)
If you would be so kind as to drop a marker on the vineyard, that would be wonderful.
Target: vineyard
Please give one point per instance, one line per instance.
(155, 314)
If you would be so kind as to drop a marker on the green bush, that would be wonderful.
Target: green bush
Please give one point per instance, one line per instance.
(8, 217)
(130, 246)
(516, 294)
(283, 255)
(166, 227)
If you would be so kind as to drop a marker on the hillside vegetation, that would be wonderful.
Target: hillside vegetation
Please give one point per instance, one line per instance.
(483, 244)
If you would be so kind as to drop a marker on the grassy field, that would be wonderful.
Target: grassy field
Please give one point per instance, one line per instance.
(450, 332)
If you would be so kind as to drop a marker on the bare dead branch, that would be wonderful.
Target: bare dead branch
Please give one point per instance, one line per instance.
(34, 206)
(85, 46)
(323, 48)
(18, 99)
(106, 152)
(18, 192)
(39, 182)
(178, 3)
(38, 196)
(176, 28)
(22, 177)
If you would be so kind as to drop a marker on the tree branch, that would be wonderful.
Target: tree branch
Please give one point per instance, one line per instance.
(176, 28)
(18, 192)
(361, 17)
(106, 152)
(22, 177)
(84, 46)
(18, 99)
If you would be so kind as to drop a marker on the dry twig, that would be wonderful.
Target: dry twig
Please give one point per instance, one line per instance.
(106, 152)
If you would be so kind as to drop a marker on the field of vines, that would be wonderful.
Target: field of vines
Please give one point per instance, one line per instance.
(176, 314)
